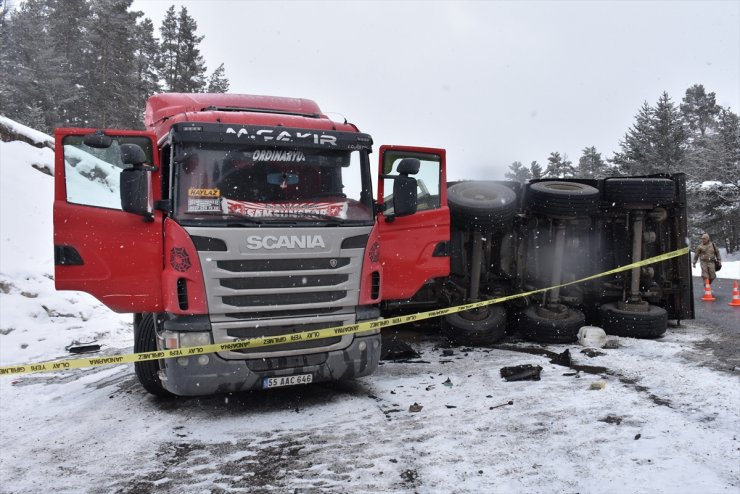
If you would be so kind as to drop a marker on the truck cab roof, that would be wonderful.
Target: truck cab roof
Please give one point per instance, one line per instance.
(167, 109)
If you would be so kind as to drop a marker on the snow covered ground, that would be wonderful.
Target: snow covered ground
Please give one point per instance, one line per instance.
(649, 416)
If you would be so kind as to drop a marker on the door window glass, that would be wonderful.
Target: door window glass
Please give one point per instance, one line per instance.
(92, 175)
(427, 179)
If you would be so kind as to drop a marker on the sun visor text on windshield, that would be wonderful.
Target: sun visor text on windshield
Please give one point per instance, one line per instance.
(269, 136)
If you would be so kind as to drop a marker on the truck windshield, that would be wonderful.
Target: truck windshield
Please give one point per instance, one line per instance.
(220, 182)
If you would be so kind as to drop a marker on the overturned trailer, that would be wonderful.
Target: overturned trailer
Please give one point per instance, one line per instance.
(507, 238)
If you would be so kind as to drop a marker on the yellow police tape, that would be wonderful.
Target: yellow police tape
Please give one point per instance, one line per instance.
(366, 326)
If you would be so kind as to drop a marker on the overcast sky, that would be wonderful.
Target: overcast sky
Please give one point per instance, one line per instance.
(492, 82)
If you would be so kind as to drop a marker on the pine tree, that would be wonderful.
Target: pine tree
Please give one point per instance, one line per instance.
(723, 151)
(727, 143)
(148, 65)
(5, 66)
(656, 143)
(192, 67)
(536, 170)
(591, 165)
(559, 166)
(218, 83)
(183, 66)
(112, 85)
(728, 140)
(634, 159)
(669, 136)
(88, 63)
(699, 110)
(66, 20)
(518, 172)
(29, 77)
(170, 49)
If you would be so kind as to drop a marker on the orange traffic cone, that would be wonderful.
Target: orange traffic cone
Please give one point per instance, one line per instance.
(735, 296)
(708, 297)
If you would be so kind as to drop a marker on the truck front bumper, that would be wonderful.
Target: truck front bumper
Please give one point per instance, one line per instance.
(190, 377)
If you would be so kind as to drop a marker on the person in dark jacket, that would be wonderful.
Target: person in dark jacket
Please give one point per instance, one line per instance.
(707, 253)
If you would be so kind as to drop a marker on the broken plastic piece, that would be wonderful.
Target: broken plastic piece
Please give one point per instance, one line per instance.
(526, 372)
(77, 347)
(398, 350)
(562, 359)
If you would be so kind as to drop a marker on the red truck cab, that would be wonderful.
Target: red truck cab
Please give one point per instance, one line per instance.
(237, 216)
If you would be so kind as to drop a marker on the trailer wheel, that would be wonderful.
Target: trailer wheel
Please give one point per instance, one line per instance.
(644, 193)
(148, 370)
(481, 204)
(543, 329)
(620, 322)
(561, 199)
(471, 328)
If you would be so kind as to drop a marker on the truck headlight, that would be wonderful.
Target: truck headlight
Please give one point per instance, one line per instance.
(177, 339)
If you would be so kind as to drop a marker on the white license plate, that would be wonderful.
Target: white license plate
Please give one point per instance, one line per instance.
(276, 382)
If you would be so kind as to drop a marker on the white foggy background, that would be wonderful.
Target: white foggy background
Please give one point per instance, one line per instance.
(492, 82)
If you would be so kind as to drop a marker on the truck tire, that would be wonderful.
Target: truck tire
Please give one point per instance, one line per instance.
(481, 204)
(620, 322)
(546, 330)
(645, 192)
(148, 370)
(561, 199)
(468, 331)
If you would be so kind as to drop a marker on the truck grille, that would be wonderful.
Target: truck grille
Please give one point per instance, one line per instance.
(267, 292)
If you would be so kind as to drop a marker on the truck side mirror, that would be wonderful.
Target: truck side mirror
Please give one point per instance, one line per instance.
(135, 191)
(135, 180)
(404, 195)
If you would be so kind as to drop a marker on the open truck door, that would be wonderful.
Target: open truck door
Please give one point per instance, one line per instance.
(99, 247)
(414, 225)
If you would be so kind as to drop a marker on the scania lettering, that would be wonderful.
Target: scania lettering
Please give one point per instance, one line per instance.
(270, 242)
(234, 217)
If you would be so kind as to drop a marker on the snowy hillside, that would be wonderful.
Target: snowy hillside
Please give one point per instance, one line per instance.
(36, 321)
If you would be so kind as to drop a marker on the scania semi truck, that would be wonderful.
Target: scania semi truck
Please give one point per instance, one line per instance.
(236, 216)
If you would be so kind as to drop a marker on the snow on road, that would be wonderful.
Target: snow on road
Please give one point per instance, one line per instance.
(661, 423)
(659, 418)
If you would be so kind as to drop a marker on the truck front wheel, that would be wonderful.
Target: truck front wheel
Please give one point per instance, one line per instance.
(145, 340)
(475, 327)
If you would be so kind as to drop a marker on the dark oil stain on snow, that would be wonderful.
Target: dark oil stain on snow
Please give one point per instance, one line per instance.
(590, 369)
